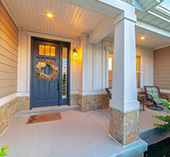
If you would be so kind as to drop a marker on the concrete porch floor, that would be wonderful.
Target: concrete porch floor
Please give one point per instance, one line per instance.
(76, 134)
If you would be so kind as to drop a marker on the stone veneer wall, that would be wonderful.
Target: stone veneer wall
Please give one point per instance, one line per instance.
(8, 110)
(124, 127)
(93, 102)
(74, 99)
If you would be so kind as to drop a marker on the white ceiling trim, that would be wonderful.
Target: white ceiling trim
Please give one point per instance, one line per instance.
(161, 47)
(119, 5)
(165, 19)
(137, 5)
(101, 30)
(96, 6)
(153, 31)
(9, 11)
(48, 35)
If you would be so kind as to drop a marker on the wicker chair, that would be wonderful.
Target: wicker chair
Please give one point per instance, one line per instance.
(155, 91)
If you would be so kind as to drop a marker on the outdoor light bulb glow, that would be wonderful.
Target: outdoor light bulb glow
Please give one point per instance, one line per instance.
(75, 54)
(50, 15)
(142, 38)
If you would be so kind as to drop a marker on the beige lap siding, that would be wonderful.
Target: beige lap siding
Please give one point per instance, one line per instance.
(162, 68)
(8, 54)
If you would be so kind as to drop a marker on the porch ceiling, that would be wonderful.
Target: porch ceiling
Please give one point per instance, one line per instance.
(68, 20)
(149, 12)
(149, 41)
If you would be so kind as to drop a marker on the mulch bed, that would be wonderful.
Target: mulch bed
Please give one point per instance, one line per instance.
(160, 149)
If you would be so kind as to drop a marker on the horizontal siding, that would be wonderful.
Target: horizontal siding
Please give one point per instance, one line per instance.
(162, 68)
(7, 83)
(8, 54)
(7, 76)
(7, 91)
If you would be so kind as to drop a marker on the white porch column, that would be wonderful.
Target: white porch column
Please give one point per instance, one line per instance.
(124, 121)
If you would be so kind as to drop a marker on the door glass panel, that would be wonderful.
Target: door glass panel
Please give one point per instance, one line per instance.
(52, 51)
(41, 49)
(47, 50)
(64, 72)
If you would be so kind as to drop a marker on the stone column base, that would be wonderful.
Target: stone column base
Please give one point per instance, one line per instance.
(124, 127)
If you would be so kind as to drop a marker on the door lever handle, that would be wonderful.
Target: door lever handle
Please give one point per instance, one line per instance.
(58, 84)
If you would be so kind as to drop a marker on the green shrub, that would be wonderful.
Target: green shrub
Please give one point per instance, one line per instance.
(3, 153)
(165, 119)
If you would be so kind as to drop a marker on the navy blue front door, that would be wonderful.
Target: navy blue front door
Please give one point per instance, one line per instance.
(55, 92)
(45, 93)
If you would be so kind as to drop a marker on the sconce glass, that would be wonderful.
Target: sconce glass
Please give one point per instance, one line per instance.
(75, 52)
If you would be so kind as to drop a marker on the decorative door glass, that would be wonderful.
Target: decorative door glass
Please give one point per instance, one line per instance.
(64, 72)
(47, 50)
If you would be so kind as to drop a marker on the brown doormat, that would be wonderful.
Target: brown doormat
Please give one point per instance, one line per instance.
(44, 118)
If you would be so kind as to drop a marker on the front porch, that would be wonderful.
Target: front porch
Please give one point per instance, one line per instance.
(76, 134)
(110, 51)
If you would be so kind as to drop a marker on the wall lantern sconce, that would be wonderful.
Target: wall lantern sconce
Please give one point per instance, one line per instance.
(75, 52)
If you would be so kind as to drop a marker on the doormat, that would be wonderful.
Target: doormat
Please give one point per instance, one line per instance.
(44, 118)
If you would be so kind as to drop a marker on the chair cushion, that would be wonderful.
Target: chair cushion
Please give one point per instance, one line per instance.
(152, 90)
(157, 101)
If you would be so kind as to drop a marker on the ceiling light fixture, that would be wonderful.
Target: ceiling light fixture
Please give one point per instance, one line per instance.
(50, 15)
(142, 37)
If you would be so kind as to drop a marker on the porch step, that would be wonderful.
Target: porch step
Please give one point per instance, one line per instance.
(154, 135)
(43, 111)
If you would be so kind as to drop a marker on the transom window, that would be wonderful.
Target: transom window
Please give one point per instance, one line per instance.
(46, 50)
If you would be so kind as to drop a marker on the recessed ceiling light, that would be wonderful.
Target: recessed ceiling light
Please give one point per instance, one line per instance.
(142, 37)
(50, 15)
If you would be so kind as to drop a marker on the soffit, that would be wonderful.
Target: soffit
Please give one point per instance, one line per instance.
(155, 18)
(149, 42)
(150, 14)
(69, 20)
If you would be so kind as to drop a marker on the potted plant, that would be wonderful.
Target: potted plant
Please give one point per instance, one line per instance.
(165, 119)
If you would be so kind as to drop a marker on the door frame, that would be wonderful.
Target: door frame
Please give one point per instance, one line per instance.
(62, 43)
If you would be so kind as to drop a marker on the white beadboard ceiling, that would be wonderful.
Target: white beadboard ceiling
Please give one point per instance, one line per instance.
(69, 20)
(149, 42)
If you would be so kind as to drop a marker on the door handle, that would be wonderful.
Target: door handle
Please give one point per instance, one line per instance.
(58, 84)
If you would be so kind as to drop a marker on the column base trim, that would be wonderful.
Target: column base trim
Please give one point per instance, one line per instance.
(134, 148)
(125, 107)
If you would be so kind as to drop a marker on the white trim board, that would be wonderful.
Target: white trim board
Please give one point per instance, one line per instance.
(7, 99)
(55, 36)
(23, 94)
